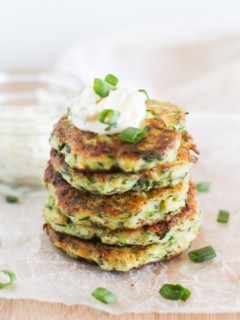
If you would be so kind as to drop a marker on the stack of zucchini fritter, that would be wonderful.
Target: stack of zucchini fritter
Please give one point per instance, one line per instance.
(123, 205)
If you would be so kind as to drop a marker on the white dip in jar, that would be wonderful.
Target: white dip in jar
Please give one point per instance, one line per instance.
(30, 103)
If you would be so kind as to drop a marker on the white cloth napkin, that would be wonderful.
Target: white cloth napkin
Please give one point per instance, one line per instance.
(196, 65)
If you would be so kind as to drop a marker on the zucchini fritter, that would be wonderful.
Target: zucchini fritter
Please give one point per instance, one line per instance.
(89, 151)
(129, 210)
(168, 174)
(142, 236)
(109, 257)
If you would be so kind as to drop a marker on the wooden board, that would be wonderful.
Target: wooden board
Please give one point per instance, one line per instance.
(35, 310)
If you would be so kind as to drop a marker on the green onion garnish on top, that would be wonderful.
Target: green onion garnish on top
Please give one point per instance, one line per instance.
(202, 254)
(10, 278)
(104, 295)
(145, 92)
(174, 292)
(132, 135)
(223, 216)
(203, 186)
(110, 78)
(109, 117)
(101, 87)
(11, 199)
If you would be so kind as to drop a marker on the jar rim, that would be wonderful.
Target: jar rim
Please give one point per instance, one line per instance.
(26, 93)
(36, 88)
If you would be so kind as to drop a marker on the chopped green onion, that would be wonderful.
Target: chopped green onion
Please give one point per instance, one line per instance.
(186, 293)
(132, 135)
(110, 78)
(145, 92)
(104, 295)
(203, 186)
(11, 199)
(174, 292)
(10, 278)
(202, 254)
(223, 216)
(101, 87)
(110, 117)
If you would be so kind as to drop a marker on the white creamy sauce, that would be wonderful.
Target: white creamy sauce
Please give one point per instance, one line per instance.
(24, 134)
(84, 110)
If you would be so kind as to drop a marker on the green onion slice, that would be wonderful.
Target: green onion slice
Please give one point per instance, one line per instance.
(101, 87)
(109, 117)
(145, 92)
(11, 278)
(174, 292)
(104, 295)
(202, 254)
(11, 199)
(203, 186)
(223, 216)
(132, 135)
(110, 78)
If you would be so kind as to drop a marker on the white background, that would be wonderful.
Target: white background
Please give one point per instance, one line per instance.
(34, 32)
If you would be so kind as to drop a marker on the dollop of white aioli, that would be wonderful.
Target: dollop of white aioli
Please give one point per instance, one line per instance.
(84, 111)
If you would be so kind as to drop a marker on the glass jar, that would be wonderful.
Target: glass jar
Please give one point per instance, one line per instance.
(30, 103)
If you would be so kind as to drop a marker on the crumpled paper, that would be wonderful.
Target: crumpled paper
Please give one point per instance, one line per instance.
(44, 273)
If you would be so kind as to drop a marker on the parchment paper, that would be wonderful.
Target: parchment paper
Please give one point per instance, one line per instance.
(44, 273)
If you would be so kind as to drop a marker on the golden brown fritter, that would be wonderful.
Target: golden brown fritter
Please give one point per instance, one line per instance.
(128, 210)
(142, 236)
(168, 174)
(182, 230)
(89, 151)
